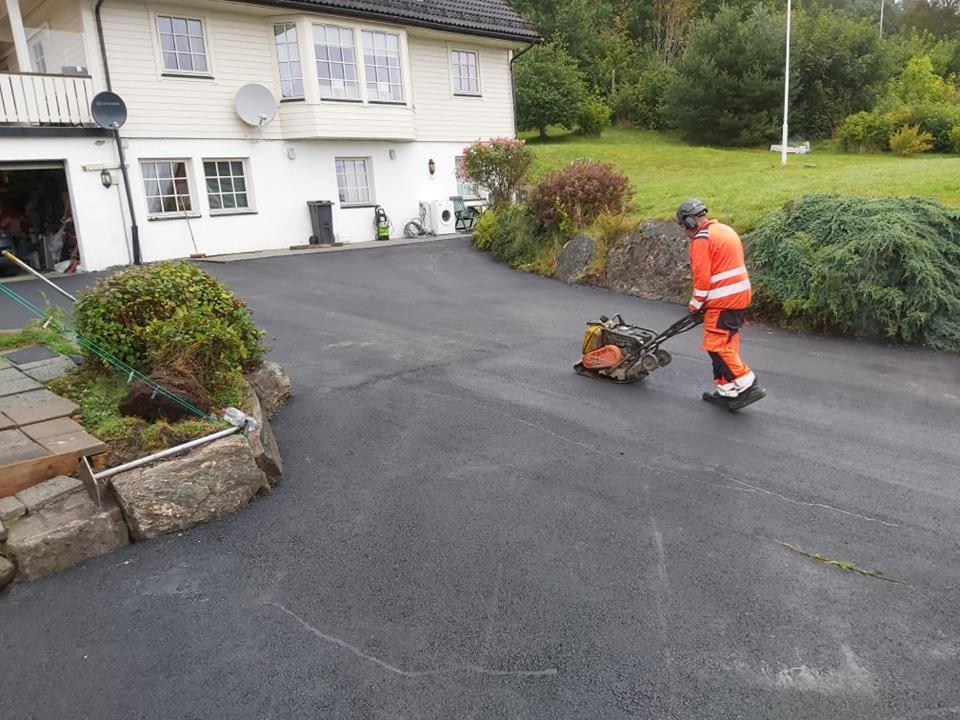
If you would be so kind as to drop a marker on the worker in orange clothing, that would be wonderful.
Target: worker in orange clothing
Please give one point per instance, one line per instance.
(721, 291)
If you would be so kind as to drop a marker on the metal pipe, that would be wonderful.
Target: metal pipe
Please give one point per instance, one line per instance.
(165, 453)
(103, 44)
(786, 89)
(17, 261)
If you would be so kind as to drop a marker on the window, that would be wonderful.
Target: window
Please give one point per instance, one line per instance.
(226, 185)
(465, 188)
(288, 59)
(38, 56)
(466, 72)
(167, 185)
(353, 181)
(181, 44)
(381, 59)
(336, 62)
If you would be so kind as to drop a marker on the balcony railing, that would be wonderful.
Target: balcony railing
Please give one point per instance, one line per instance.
(38, 99)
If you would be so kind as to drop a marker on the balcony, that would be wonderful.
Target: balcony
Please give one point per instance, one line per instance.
(35, 99)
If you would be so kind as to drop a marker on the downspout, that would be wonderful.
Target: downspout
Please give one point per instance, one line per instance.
(513, 88)
(134, 229)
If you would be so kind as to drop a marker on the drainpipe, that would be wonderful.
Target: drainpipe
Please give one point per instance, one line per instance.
(513, 88)
(134, 230)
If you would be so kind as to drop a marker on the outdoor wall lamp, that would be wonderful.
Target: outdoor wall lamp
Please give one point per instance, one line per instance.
(106, 178)
(432, 166)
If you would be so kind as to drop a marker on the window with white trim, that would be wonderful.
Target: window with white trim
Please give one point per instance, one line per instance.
(226, 182)
(353, 181)
(467, 189)
(167, 186)
(336, 57)
(181, 44)
(38, 55)
(381, 63)
(288, 60)
(465, 68)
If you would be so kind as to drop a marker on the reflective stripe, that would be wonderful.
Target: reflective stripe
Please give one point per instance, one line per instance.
(728, 290)
(745, 381)
(702, 234)
(702, 293)
(695, 304)
(729, 274)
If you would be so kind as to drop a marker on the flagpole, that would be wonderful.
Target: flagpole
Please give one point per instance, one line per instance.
(786, 90)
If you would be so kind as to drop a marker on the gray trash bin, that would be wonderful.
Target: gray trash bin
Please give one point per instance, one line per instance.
(321, 221)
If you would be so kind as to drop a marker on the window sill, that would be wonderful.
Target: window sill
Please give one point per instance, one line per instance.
(389, 102)
(178, 216)
(228, 213)
(292, 99)
(187, 75)
(355, 206)
(468, 95)
(341, 100)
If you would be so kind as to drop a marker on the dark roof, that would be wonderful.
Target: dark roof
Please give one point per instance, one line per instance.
(487, 18)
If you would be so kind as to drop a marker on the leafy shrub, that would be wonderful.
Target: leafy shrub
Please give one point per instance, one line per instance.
(128, 314)
(919, 84)
(910, 140)
(578, 193)
(511, 235)
(642, 103)
(865, 132)
(887, 268)
(500, 165)
(550, 88)
(954, 137)
(594, 117)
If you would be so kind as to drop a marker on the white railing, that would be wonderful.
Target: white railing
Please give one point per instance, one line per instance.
(35, 99)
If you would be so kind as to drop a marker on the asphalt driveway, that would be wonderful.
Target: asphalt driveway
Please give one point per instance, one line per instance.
(467, 529)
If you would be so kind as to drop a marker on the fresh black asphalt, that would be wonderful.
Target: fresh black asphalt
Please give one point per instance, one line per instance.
(467, 529)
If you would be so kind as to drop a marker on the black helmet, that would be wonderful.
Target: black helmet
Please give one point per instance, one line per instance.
(688, 211)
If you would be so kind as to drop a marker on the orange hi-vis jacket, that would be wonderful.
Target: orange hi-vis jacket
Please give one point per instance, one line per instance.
(720, 279)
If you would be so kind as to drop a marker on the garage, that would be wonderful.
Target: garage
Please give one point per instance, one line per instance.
(36, 217)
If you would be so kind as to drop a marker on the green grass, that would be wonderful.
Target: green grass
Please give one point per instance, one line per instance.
(36, 334)
(740, 186)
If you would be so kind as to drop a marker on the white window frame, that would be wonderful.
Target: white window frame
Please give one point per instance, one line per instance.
(461, 182)
(250, 207)
(368, 170)
(401, 66)
(357, 64)
(38, 41)
(191, 195)
(451, 52)
(205, 36)
(292, 57)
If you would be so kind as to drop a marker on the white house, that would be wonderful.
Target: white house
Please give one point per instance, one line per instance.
(376, 99)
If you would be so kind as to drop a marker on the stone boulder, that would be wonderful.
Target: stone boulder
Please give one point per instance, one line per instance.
(574, 258)
(63, 533)
(184, 491)
(7, 572)
(272, 385)
(651, 262)
(262, 441)
(143, 401)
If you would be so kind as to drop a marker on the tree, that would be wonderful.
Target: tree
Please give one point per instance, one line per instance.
(728, 87)
(550, 89)
(940, 18)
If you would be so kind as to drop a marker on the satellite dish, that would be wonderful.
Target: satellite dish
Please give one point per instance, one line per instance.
(255, 105)
(108, 110)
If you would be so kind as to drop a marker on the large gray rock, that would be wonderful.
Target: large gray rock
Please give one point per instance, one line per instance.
(11, 508)
(262, 441)
(177, 494)
(651, 262)
(574, 258)
(7, 572)
(49, 491)
(64, 533)
(272, 384)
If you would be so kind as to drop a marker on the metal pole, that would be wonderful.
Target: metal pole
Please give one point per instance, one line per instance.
(786, 91)
(881, 18)
(17, 261)
(134, 230)
(165, 453)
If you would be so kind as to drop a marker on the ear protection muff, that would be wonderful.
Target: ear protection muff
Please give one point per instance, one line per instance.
(690, 222)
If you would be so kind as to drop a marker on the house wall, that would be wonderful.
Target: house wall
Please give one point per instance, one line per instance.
(61, 26)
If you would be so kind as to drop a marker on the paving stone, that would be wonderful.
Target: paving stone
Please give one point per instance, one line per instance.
(64, 435)
(70, 530)
(47, 370)
(48, 492)
(11, 509)
(14, 382)
(44, 406)
(30, 354)
(16, 447)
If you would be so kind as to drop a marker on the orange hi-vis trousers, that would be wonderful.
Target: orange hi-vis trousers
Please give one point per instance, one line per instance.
(721, 340)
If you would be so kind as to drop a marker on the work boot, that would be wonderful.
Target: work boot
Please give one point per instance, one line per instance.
(747, 397)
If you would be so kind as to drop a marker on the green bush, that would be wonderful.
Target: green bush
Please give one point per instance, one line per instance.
(572, 197)
(511, 235)
(499, 164)
(550, 88)
(954, 137)
(887, 268)
(865, 132)
(171, 304)
(938, 120)
(910, 140)
(642, 103)
(594, 117)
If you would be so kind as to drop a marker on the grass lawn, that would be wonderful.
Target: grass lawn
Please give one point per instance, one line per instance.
(741, 185)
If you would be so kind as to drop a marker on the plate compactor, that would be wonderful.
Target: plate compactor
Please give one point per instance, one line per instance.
(616, 351)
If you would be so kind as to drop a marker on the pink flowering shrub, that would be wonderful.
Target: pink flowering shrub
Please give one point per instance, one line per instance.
(499, 165)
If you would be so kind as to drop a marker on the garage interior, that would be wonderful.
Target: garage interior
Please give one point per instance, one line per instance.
(36, 218)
